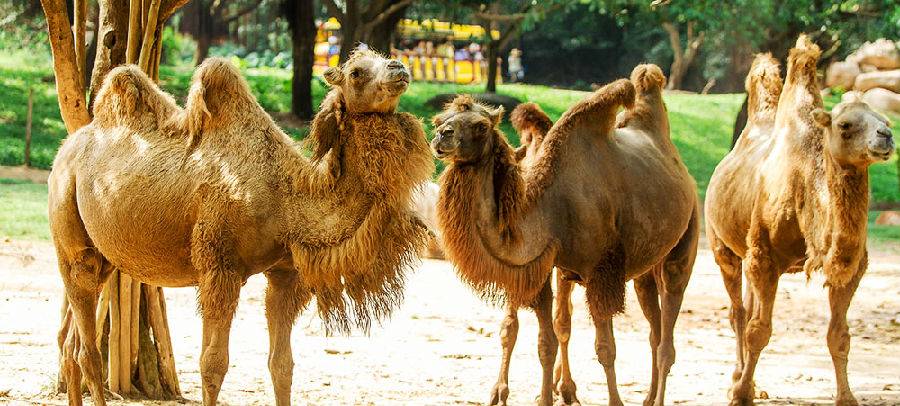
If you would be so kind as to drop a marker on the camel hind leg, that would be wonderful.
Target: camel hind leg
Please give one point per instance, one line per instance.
(509, 332)
(562, 326)
(547, 342)
(648, 298)
(730, 268)
(672, 282)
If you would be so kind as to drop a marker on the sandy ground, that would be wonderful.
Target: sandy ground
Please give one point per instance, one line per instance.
(442, 347)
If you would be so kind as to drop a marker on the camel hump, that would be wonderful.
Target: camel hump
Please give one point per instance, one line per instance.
(528, 117)
(763, 85)
(802, 60)
(126, 95)
(648, 77)
(598, 111)
(216, 86)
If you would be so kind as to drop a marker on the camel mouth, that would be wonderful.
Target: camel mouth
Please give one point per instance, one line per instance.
(881, 156)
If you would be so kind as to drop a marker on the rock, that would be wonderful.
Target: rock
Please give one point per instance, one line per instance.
(888, 218)
(882, 54)
(842, 74)
(889, 80)
(493, 99)
(882, 100)
(851, 97)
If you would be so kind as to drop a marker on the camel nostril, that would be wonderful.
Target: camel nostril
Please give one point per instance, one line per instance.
(885, 133)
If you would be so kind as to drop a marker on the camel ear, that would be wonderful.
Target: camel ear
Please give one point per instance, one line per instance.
(325, 129)
(334, 76)
(496, 115)
(822, 118)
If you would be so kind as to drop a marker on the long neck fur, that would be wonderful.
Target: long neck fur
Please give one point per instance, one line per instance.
(481, 217)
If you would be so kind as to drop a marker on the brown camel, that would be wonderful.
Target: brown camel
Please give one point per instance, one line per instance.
(212, 195)
(505, 229)
(793, 195)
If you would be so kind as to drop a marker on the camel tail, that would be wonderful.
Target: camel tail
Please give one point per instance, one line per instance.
(763, 86)
(802, 61)
(530, 122)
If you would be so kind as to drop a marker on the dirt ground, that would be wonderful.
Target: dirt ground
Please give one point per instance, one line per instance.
(442, 347)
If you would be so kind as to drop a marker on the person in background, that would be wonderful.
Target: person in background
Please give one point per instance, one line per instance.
(447, 54)
(431, 66)
(476, 58)
(514, 66)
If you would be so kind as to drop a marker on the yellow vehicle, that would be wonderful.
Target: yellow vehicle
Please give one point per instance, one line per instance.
(443, 63)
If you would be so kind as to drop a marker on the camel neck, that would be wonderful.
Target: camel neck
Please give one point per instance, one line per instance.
(498, 249)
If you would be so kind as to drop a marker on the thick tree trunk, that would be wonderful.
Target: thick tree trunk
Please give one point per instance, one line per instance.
(69, 82)
(380, 36)
(301, 15)
(204, 32)
(112, 38)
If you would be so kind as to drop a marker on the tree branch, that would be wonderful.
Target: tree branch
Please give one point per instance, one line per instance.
(240, 13)
(384, 15)
(674, 38)
(69, 81)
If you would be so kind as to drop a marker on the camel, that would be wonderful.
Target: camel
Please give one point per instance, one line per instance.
(505, 227)
(793, 196)
(212, 194)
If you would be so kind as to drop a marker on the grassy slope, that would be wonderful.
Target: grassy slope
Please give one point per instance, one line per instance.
(701, 125)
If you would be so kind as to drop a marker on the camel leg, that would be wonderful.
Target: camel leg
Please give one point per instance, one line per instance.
(648, 297)
(562, 326)
(676, 273)
(839, 335)
(605, 345)
(547, 343)
(763, 278)
(509, 331)
(83, 277)
(284, 301)
(730, 267)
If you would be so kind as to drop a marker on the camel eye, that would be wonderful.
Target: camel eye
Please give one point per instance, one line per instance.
(844, 125)
(356, 73)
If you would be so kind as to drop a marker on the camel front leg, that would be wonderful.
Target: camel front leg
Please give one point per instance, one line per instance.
(648, 297)
(562, 325)
(763, 278)
(605, 345)
(509, 331)
(285, 298)
(547, 343)
(839, 334)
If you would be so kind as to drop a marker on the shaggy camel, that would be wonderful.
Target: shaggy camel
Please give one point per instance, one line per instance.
(233, 197)
(505, 229)
(793, 195)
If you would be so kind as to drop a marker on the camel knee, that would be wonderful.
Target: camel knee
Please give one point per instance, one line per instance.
(839, 340)
(547, 346)
(758, 334)
(282, 370)
(213, 366)
(509, 329)
(91, 364)
(562, 327)
(606, 353)
(665, 357)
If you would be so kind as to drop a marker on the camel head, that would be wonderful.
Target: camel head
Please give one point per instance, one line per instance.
(466, 131)
(855, 135)
(368, 82)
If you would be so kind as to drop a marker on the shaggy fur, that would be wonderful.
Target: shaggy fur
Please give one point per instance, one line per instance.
(793, 195)
(505, 225)
(232, 196)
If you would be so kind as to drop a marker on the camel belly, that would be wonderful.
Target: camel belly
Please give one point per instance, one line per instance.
(138, 212)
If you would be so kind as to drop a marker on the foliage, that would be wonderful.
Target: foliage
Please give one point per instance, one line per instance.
(178, 49)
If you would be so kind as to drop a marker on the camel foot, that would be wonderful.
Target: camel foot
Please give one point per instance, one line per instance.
(543, 401)
(111, 395)
(499, 394)
(566, 394)
(846, 400)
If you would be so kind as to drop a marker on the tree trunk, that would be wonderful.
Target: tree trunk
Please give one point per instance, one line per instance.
(112, 37)
(380, 36)
(69, 82)
(492, 66)
(301, 16)
(682, 57)
(203, 36)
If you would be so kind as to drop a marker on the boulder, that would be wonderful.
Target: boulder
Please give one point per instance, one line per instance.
(882, 54)
(889, 80)
(888, 218)
(882, 100)
(841, 74)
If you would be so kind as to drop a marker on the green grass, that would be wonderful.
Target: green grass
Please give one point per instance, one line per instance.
(23, 211)
(701, 126)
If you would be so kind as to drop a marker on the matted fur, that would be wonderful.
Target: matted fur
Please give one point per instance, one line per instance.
(763, 87)
(600, 108)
